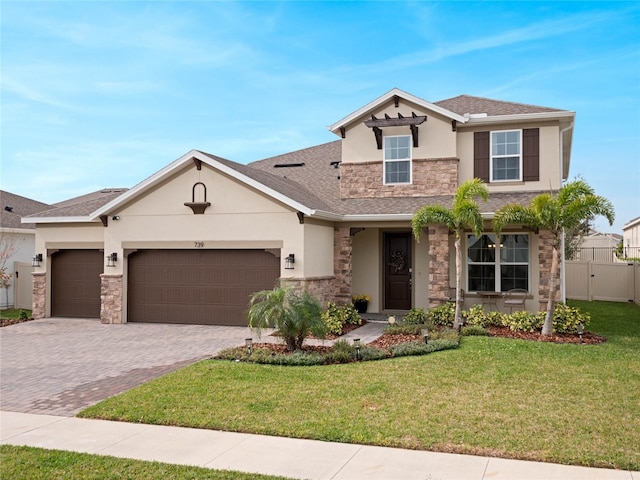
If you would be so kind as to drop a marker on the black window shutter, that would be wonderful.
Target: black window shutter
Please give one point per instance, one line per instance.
(481, 156)
(530, 154)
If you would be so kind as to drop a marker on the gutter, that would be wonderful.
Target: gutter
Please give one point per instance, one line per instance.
(563, 276)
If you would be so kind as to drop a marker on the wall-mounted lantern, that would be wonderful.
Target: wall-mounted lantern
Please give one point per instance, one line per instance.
(36, 260)
(112, 259)
(289, 261)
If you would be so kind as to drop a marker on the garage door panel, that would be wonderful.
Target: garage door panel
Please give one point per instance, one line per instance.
(75, 283)
(197, 286)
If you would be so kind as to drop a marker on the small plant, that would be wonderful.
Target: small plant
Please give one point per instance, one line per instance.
(420, 348)
(566, 319)
(524, 321)
(475, 316)
(361, 298)
(474, 330)
(442, 314)
(336, 317)
(24, 315)
(415, 316)
(404, 329)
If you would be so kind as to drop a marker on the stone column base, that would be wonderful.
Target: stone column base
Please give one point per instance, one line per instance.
(38, 309)
(111, 298)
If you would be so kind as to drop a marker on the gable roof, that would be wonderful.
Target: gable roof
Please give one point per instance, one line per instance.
(14, 207)
(77, 209)
(469, 105)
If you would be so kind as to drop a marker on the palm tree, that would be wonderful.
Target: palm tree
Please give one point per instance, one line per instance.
(571, 205)
(464, 213)
(294, 315)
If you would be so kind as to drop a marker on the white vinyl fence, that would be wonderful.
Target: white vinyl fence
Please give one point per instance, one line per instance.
(613, 282)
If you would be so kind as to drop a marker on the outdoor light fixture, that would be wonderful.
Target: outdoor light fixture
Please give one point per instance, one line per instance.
(391, 320)
(36, 260)
(358, 345)
(289, 261)
(112, 259)
(425, 335)
(249, 343)
(580, 331)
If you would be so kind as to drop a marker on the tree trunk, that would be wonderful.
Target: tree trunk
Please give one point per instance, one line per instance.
(457, 318)
(547, 328)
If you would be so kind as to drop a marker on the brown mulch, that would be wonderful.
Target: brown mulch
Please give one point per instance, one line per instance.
(5, 322)
(587, 337)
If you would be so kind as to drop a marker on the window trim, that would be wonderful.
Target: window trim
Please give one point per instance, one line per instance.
(519, 155)
(497, 263)
(396, 160)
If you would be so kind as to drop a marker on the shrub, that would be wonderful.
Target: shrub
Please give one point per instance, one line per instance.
(473, 330)
(442, 314)
(524, 321)
(372, 353)
(342, 352)
(420, 348)
(566, 319)
(24, 315)
(415, 316)
(336, 317)
(476, 316)
(404, 329)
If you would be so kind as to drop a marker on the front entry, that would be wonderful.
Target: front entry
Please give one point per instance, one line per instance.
(397, 271)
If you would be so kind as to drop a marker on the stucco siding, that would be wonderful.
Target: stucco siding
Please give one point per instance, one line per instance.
(366, 266)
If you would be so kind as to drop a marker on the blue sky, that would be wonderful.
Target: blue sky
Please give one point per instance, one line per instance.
(103, 94)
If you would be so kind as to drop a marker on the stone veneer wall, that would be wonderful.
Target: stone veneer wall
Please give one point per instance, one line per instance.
(110, 298)
(39, 295)
(335, 288)
(545, 257)
(430, 177)
(438, 265)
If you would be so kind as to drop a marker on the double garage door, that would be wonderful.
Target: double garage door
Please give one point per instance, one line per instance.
(207, 287)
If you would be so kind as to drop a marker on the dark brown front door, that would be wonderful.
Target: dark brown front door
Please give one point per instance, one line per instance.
(397, 263)
(206, 287)
(75, 283)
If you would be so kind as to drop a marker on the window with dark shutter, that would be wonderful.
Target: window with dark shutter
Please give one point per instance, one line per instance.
(481, 156)
(530, 154)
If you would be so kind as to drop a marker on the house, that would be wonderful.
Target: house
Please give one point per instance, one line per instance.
(598, 246)
(17, 242)
(190, 243)
(631, 238)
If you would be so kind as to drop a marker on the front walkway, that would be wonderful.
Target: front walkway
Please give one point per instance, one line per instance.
(289, 457)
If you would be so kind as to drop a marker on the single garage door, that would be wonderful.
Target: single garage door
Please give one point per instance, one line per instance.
(205, 287)
(75, 283)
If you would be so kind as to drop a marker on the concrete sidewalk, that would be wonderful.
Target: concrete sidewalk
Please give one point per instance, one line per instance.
(294, 458)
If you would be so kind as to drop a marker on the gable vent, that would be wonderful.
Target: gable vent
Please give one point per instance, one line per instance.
(288, 165)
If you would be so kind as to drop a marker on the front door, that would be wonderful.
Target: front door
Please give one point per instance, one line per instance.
(397, 267)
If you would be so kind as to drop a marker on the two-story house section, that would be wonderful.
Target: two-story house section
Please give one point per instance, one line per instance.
(190, 243)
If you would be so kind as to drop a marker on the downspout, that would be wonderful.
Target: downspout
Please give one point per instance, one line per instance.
(563, 286)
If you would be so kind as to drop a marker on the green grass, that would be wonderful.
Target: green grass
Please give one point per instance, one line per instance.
(36, 463)
(565, 403)
(14, 313)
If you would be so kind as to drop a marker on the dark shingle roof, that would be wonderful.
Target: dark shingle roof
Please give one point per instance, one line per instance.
(14, 207)
(468, 104)
(83, 205)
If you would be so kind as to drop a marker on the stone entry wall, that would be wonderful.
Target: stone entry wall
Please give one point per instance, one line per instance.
(438, 265)
(111, 298)
(39, 295)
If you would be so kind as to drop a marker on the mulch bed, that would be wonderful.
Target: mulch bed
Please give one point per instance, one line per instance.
(5, 322)
(587, 337)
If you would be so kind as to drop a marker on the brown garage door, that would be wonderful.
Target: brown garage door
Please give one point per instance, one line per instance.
(206, 287)
(75, 283)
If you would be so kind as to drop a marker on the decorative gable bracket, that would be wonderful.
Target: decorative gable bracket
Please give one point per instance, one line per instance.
(377, 124)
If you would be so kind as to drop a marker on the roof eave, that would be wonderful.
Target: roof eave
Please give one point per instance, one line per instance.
(388, 96)
(60, 220)
(176, 165)
(521, 117)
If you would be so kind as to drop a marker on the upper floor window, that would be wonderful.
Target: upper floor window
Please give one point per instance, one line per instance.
(497, 264)
(397, 159)
(506, 155)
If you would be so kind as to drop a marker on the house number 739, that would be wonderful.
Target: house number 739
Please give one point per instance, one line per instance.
(198, 244)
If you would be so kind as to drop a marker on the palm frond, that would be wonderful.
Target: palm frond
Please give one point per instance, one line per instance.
(514, 214)
(430, 214)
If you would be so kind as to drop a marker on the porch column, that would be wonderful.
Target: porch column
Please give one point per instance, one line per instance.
(342, 266)
(38, 309)
(545, 256)
(110, 298)
(438, 265)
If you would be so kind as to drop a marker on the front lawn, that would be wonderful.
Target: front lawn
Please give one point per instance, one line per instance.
(565, 403)
(36, 463)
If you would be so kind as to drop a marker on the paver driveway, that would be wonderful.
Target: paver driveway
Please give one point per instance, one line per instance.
(59, 366)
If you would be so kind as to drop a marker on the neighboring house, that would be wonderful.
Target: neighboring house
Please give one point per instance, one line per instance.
(190, 243)
(17, 242)
(631, 238)
(598, 246)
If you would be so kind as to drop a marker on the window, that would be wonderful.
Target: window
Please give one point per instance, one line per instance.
(506, 155)
(397, 159)
(493, 266)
